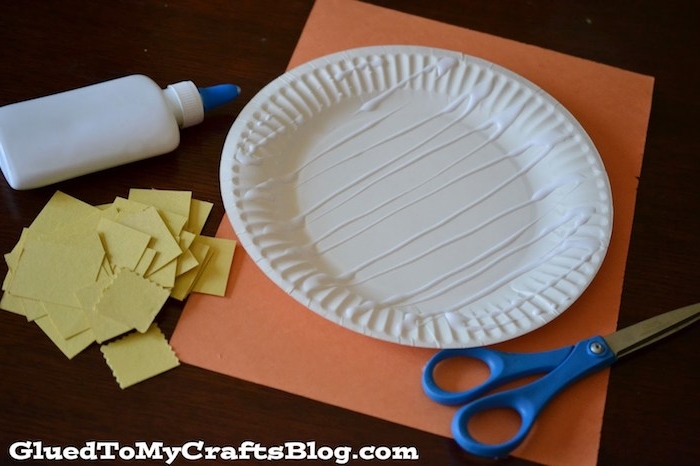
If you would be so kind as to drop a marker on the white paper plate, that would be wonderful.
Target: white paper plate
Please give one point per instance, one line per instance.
(418, 195)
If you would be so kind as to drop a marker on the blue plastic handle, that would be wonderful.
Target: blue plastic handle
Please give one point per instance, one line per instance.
(586, 357)
(504, 367)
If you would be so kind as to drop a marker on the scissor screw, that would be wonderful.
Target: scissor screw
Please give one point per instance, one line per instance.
(596, 348)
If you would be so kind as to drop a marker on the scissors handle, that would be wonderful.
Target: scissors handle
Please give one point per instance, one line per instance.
(503, 367)
(586, 357)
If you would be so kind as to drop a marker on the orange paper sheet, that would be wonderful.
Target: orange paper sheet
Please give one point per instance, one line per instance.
(258, 333)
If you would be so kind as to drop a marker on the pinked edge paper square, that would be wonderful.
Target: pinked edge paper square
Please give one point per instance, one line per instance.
(139, 356)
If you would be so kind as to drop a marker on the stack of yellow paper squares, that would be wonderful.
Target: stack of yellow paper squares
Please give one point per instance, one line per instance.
(89, 274)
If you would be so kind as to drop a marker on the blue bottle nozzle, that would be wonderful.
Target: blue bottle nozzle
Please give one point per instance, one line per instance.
(214, 96)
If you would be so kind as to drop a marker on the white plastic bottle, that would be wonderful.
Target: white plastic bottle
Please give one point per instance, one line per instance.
(72, 133)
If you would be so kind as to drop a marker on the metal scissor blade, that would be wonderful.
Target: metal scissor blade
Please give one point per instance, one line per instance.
(648, 331)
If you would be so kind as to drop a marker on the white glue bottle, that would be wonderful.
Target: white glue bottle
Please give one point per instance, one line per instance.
(72, 133)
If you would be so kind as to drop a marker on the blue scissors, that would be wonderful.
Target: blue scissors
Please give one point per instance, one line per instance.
(562, 367)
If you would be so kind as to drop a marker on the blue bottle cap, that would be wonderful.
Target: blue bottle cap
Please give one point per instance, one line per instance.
(214, 96)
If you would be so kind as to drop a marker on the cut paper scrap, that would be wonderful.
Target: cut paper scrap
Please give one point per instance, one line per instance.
(103, 327)
(177, 202)
(69, 320)
(12, 304)
(199, 212)
(33, 309)
(52, 270)
(61, 210)
(185, 282)
(132, 300)
(89, 274)
(68, 346)
(125, 245)
(139, 356)
(214, 277)
(187, 261)
(302, 353)
(150, 222)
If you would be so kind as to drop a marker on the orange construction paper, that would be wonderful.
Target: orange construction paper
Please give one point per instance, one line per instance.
(258, 333)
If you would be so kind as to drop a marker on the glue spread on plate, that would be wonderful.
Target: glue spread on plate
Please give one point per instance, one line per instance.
(418, 195)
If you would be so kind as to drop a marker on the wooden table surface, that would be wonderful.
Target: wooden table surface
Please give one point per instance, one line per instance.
(653, 406)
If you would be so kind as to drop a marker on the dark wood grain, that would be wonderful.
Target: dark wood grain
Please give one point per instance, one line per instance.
(653, 406)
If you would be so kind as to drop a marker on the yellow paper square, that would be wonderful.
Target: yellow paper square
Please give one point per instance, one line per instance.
(33, 309)
(139, 356)
(164, 276)
(186, 239)
(175, 223)
(68, 320)
(150, 222)
(91, 294)
(199, 212)
(123, 245)
(177, 202)
(104, 328)
(81, 226)
(61, 210)
(71, 346)
(125, 205)
(7, 280)
(11, 303)
(185, 282)
(214, 277)
(12, 257)
(145, 261)
(132, 300)
(186, 261)
(51, 271)
(106, 270)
